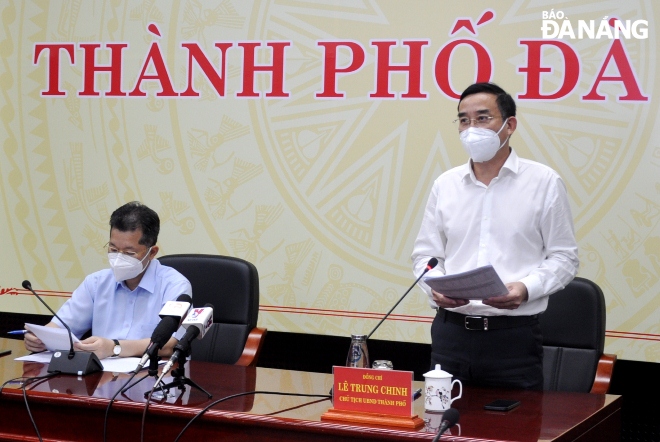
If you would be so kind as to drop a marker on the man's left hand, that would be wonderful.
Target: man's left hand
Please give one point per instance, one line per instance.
(102, 347)
(511, 301)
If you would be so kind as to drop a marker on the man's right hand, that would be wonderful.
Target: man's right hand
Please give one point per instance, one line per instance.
(32, 343)
(445, 302)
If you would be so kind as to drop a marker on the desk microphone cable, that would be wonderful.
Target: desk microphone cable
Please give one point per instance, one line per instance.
(12, 381)
(28, 381)
(144, 412)
(205, 409)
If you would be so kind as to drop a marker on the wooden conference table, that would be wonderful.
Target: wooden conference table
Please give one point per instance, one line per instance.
(72, 408)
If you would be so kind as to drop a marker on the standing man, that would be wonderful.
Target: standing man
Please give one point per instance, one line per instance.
(506, 211)
(120, 305)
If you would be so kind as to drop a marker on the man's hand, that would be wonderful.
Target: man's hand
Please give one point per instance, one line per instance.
(445, 302)
(511, 301)
(32, 343)
(102, 347)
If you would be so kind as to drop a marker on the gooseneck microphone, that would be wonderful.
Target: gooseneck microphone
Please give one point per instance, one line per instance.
(172, 313)
(431, 264)
(449, 419)
(75, 362)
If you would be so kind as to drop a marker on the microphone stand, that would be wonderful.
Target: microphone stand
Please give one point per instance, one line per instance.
(183, 348)
(80, 362)
(180, 380)
(152, 372)
(429, 266)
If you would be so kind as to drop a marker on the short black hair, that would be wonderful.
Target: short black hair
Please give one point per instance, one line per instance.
(504, 101)
(135, 215)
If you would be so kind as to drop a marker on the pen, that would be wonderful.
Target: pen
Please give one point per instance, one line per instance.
(17, 332)
(417, 394)
(5, 353)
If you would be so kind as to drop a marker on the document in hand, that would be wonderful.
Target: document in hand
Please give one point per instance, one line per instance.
(54, 338)
(480, 283)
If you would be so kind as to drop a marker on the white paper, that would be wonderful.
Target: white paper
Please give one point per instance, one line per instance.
(54, 338)
(43, 357)
(480, 283)
(112, 364)
(120, 365)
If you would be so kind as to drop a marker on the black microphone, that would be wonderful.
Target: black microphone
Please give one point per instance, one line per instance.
(197, 323)
(76, 362)
(449, 419)
(172, 315)
(431, 264)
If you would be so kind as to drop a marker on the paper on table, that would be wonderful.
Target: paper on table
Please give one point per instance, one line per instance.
(54, 338)
(480, 283)
(121, 365)
(115, 365)
(43, 357)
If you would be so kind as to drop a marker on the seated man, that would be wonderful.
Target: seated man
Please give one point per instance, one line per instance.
(120, 305)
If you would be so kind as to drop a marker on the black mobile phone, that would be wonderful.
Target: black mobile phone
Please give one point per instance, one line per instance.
(502, 405)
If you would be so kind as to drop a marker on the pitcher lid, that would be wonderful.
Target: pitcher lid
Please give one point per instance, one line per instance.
(437, 373)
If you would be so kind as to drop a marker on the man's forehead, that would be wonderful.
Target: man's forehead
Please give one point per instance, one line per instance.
(484, 111)
(478, 103)
(131, 237)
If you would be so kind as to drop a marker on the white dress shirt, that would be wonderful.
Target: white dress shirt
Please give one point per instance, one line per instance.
(521, 224)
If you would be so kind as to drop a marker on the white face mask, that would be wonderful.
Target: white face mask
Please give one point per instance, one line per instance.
(482, 144)
(125, 267)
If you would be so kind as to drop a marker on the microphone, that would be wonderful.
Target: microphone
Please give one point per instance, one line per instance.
(197, 323)
(172, 313)
(76, 362)
(449, 419)
(431, 264)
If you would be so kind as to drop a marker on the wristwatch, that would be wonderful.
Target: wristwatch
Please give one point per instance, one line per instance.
(117, 348)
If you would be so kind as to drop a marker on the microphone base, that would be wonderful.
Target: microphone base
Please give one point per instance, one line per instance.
(82, 363)
(179, 382)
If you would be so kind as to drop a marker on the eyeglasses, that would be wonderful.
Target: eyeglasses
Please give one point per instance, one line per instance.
(130, 253)
(480, 121)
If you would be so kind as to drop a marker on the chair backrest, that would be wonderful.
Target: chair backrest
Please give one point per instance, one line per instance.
(231, 285)
(573, 329)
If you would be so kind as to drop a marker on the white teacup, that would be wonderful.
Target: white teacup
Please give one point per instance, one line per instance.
(438, 385)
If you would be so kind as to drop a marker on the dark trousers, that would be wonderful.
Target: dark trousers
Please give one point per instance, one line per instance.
(508, 357)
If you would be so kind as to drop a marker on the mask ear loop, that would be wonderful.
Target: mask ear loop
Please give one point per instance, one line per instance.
(145, 257)
(498, 132)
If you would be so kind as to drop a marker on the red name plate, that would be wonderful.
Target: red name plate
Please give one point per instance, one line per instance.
(373, 391)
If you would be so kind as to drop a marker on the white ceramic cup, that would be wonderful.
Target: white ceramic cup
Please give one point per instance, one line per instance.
(438, 386)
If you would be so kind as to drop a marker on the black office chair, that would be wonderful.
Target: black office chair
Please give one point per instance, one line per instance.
(573, 329)
(231, 285)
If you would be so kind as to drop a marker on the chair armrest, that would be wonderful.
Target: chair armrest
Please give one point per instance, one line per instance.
(603, 374)
(253, 344)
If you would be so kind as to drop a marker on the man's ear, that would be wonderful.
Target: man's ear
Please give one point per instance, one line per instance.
(511, 125)
(154, 252)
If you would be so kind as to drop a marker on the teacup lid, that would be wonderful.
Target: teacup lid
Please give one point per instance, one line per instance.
(437, 373)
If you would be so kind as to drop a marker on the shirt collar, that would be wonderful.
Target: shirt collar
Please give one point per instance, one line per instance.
(511, 164)
(148, 281)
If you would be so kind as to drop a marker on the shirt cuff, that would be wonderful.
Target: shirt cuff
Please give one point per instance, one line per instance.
(534, 287)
